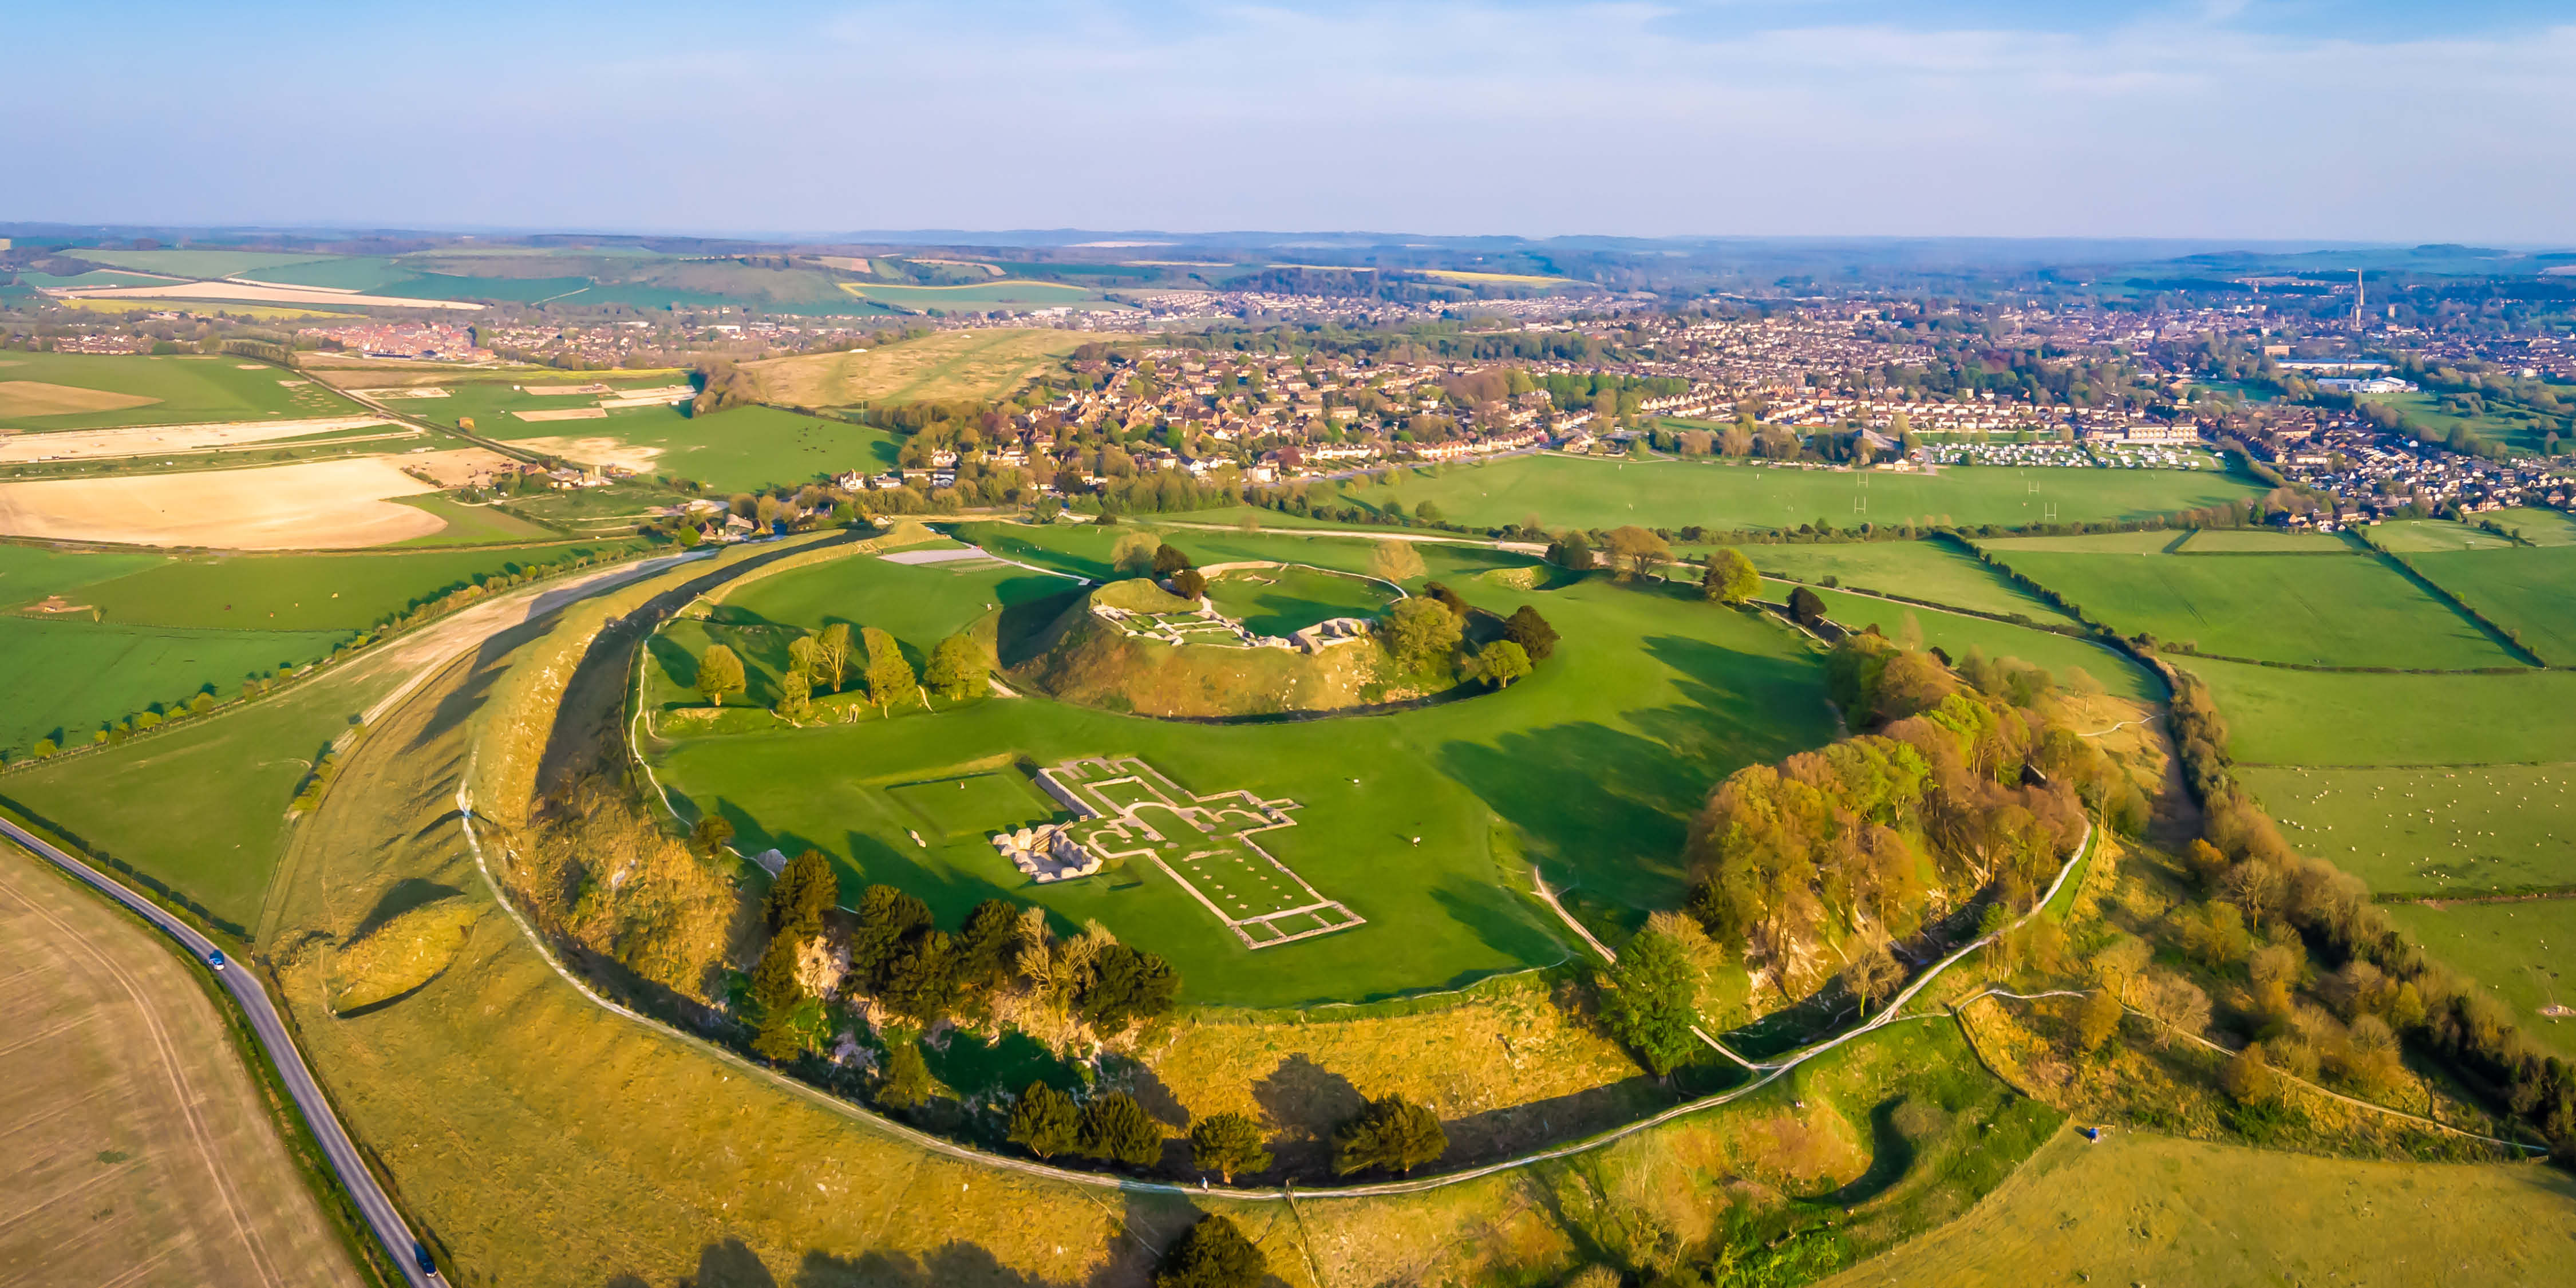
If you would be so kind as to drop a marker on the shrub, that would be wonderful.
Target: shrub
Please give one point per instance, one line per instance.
(1115, 1127)
(1226, 1144)
(1212, 1254)
(1045, 1122)
(1392, 1133)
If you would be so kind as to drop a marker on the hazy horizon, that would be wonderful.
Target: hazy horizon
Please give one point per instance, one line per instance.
(2331, 120)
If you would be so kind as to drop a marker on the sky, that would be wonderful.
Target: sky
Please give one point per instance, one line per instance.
(2365, 120)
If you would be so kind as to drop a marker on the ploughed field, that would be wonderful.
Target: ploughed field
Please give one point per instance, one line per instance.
(1420, 823)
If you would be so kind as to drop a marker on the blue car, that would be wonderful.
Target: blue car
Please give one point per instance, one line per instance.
(420, 1253)
(216, 959)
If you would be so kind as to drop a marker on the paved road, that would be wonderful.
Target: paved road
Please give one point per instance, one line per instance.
(245, 988)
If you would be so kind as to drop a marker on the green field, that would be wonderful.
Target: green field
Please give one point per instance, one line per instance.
(1929, 570)
(2467, 831)
(489, 403)
(198, 263)
(1605, 493)
(2539, 527)
(1278, 601)
(1084, 550)
(2215, 541)
(475, 525)
(182, 390)
(1957, 633)
(2518, 950)
(1592, 767)
(2279, 716)
(2502, 424)
(2531, 592)
(2316, 610)
(30, 573)
(735, 450)
(300, 592)
(980, 295)
(75, 675)
(201, 808)
(2422, 536)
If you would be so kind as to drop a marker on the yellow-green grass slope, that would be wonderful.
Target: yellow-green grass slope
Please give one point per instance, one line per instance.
(536, 1137)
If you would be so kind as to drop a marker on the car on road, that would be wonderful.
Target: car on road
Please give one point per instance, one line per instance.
(215, 959)
(420, 1253)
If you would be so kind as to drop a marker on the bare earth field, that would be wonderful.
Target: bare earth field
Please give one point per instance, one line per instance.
(264, 294)
(146, 440)
(316, 505)
(949, 364)
(136, 1149)
(595, 451)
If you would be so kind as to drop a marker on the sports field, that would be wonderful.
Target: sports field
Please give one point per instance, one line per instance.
(2279, 716)
(140, 1151)
(2519, 950)
(2138, 1208)
(1605, 493)
(981, 364)
(40, 391)
(1929, 570)
(2531, 592)
(2463, 831)
(1957, 633)
(2423, 536)
(2334, 609)
(1591, 767)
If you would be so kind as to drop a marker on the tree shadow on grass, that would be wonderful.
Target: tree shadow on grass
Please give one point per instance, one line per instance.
(1305, 1101)
(1892, 1156)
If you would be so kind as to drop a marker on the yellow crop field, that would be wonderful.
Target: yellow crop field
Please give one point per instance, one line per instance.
(950, 364)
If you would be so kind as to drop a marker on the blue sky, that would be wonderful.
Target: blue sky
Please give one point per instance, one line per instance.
(2296, 119)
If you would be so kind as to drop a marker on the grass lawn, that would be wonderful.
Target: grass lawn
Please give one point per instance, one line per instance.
(77, 675)
(489, 403)
(1929, 570)
(137, 390)
(2503, 423)
(1277, 601)
(1592, 767)
(303, 592)
(2278, 716)
(2465, 831)
(2323, 610)
(2216, 541)
(1956, 633)
(2519, 951)
(981, 364)
(1605, 493)
(2531, 592)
